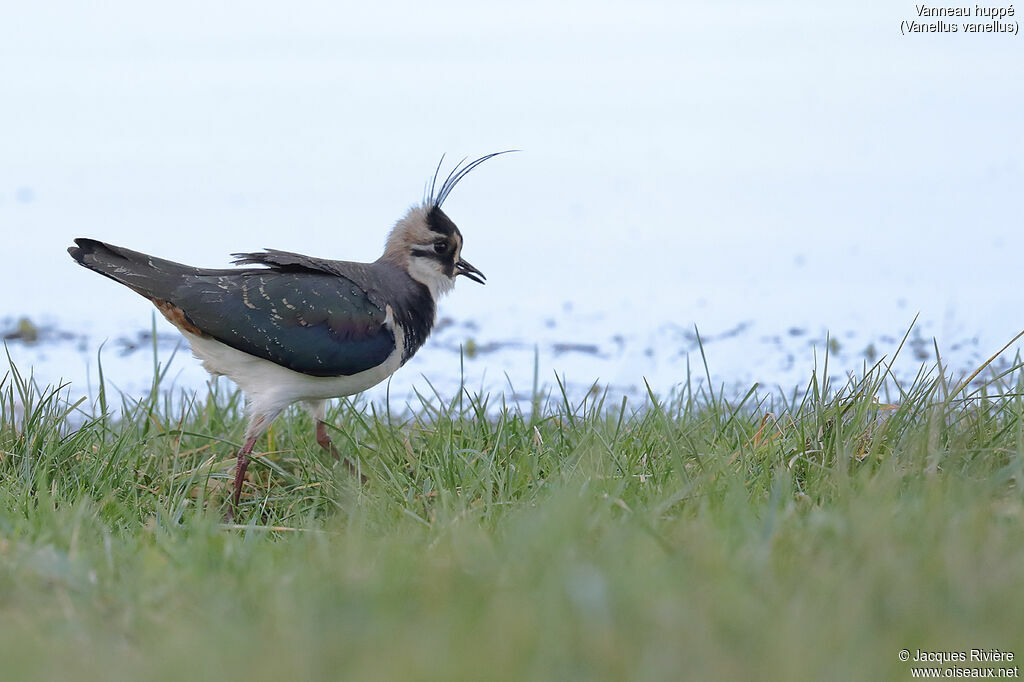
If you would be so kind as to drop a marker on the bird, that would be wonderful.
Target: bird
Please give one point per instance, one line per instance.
(292, 328)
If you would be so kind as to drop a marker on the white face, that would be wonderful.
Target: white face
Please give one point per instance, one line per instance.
(431, 273)
(432, 260)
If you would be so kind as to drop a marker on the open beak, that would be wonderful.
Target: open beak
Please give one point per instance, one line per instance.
(464, 268)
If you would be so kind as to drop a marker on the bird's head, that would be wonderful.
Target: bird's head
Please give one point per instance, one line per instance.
(427, 244)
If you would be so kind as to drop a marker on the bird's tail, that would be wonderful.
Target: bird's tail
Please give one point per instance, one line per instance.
(151, 277)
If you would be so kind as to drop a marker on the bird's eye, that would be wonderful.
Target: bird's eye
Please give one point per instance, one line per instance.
(440, 247)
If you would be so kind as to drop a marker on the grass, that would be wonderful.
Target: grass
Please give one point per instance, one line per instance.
(693, 537)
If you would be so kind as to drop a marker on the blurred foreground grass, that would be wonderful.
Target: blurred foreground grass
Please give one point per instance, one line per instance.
(692, 537)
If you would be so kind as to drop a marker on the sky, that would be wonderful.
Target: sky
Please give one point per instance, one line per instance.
(770, 166)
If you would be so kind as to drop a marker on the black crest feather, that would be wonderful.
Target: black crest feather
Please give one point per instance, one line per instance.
(439, 194)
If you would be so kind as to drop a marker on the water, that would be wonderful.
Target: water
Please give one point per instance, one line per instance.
(767, 174)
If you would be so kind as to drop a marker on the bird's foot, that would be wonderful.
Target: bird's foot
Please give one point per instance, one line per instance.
(324, 441)
(240, 467)
(354, 470)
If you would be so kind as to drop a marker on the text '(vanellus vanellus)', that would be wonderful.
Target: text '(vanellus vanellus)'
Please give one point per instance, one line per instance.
(298, 328)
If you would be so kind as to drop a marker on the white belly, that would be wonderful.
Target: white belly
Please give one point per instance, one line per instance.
(273, 387)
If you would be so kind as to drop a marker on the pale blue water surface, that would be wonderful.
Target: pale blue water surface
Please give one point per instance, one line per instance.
(765, 171)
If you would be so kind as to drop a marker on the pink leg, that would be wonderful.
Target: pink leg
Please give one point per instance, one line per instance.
(259, 420)
(327, 444)
(240, 467)
(324, 440)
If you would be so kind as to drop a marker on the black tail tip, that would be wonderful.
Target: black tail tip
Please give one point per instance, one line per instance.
(83, 247)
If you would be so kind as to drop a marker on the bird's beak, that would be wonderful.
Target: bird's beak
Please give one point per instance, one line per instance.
(463, 267)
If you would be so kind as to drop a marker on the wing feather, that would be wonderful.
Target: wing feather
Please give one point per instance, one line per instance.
(313, 323)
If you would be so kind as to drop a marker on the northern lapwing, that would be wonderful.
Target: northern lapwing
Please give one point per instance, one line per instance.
(299, 328)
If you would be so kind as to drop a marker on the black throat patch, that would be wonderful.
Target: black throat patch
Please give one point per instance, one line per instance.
(414, 311)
